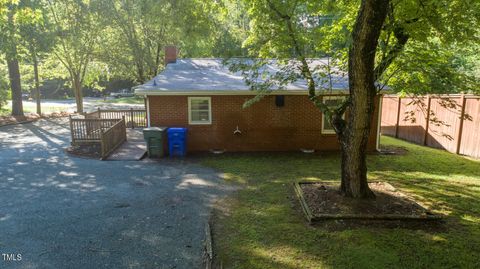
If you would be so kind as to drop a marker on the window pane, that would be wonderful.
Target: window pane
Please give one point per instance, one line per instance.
(199, 104)
(200, 116)
(332, 102)
(326, 125)
(200, 110)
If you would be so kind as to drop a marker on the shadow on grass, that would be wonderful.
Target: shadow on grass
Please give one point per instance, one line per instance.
(262, 226)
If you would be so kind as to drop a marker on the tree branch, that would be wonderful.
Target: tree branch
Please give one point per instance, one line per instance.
(402, 39)
(307, 74)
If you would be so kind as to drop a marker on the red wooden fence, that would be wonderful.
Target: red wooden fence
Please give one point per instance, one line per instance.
(450, 122)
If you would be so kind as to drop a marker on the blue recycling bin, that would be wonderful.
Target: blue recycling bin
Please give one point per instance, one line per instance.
(177, 141)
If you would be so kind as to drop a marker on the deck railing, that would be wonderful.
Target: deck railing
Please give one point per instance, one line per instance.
(134, 118)
(109, 133)
(89, 130)
(92, 115)
(113, 137)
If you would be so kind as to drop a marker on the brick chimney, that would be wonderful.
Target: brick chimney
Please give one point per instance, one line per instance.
(170, 54)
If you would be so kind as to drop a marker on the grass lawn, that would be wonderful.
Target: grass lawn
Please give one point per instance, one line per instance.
(265, 228)
(31, 107)
(125, 100)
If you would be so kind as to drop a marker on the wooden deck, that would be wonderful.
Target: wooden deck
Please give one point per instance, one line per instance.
(131, 150)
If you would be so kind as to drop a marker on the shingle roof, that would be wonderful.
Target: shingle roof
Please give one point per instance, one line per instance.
(211, 75)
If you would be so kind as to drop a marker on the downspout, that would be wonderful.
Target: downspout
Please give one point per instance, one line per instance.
(379, 120)
(147, 104)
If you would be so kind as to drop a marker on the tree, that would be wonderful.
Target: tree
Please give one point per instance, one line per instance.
(3, 85)
(139, 30)
(230, 28)
(8, 38)
(76, 30)
(353, 134)
(431, 67)
(37, 39)
(136, 32)
(369, 35)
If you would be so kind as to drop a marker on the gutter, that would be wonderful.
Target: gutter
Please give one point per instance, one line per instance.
(144, 92)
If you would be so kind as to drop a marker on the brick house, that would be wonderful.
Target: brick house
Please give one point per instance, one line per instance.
(205, 97)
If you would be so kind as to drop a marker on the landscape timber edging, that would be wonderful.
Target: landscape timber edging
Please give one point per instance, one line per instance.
(208, 255)
(311, 218)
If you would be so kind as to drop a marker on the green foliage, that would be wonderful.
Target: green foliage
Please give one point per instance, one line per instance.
(98, 40)
(430, 67)
(434, 59)
(15, 15)
(76, 31)
(37, 36)
(263, 226)
(230, 29)
(431, 59)
(135, 33)
(320, 27)
(4, 86)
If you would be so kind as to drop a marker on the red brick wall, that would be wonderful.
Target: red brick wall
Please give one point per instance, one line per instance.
(264, 126)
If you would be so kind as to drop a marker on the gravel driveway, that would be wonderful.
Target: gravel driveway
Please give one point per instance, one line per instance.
(58, 211)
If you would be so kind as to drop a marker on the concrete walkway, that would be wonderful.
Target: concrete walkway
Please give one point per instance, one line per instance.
(59, 211)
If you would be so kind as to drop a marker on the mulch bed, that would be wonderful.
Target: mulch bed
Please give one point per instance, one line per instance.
(322, 200)
(29, 117)
(392, 150)
(90, 151)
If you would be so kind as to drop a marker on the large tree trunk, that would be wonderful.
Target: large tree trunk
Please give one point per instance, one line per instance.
(77, 89)
(361, 66)
(15, 85)
(37, 82)
(140, 72)
(13, 68)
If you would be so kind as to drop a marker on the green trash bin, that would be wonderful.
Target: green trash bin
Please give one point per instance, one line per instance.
(155, 138)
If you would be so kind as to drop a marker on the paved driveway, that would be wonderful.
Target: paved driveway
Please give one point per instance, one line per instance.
(58, 211)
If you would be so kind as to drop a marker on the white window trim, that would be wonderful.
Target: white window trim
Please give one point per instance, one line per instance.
(379, 121)
(148, 111)
(190, 99)
(329, 131)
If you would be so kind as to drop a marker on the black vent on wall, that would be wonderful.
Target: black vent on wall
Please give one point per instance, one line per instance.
(280, 100)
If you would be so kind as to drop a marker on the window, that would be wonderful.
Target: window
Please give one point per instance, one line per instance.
(199, 110)
(331, 102)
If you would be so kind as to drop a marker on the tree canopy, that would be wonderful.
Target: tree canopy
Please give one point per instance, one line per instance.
(425, 46)
(127, 37)
(92, 42)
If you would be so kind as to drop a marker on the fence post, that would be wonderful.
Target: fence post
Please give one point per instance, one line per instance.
(460, 128)
(124, 129)
(71, 129)
(427, 124)
(131, 116)
(102, 142)
(398, 116)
